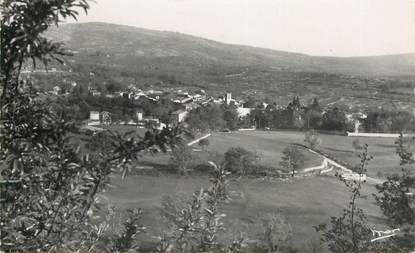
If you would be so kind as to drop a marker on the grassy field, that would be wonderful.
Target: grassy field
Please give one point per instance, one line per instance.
(304, 202)
(385, 160)
(270, 145)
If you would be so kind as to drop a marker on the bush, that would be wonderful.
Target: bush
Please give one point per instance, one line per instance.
(275, 232)
(56, 188)
(293, 159)
(239, 160)
(203, 143)
(313, 139)
(195, 223)
(182, 158)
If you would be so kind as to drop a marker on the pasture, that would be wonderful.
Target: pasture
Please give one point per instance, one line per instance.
(270, 144)
(304, 202)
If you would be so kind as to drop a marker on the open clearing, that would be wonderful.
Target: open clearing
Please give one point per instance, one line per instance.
(270, 145)
(305, 202)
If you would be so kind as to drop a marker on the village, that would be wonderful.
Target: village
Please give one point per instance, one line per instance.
(188, 101)
(185, 100)
(201, 126)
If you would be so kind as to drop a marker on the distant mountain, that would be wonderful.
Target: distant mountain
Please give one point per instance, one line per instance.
(129, 45)
(106, 53)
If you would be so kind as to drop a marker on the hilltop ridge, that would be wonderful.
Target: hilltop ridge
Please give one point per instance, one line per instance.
(125, 55)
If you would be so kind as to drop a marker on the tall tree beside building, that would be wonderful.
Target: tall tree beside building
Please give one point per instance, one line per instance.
(334, 120)
(230, 116)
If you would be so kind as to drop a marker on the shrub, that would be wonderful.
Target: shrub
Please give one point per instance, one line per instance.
(293, 159)
(239, 160)
(182, 158)
(350, 232)
(56, 189)
(313, 139)
(195, 223)
(275, 232)
(203, 143)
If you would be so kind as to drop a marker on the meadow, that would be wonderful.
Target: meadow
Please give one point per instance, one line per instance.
(304, 202)
(270, 145)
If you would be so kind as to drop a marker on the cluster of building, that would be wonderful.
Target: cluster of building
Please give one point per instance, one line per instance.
(103, 118)
(187, 100)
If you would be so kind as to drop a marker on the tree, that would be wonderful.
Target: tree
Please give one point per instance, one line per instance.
(315, 105)
(334, 120)
(204, 118)
(203, 143)
(292, 159)
(196, 223)
(181, 158)
(313, 139)
(113, 86)
(275, 232)
(259, 118)
(239, 160)
(52, 188)
(313, 119)
(230, 116)
(350, 232)
(395, 200)
(312, 115)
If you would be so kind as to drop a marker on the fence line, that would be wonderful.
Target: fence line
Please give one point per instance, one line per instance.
(198, 139)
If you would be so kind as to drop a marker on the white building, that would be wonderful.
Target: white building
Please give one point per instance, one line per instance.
(139, 116)
(243, 112)
(228, 98)
(94, 116)
(179, 115)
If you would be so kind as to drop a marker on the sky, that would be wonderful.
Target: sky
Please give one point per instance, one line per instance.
(314, 27)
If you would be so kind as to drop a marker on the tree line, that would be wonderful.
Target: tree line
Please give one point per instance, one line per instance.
(298, 116)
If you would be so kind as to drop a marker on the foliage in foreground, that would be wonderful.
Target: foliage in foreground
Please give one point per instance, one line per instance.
(53, 191)
(350, 232)
(196, 223)
(395, 199)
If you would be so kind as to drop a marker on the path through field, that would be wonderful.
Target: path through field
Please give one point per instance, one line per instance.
(328, 165)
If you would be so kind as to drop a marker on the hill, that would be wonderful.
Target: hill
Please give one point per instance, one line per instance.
(131, 42)
(126, 54)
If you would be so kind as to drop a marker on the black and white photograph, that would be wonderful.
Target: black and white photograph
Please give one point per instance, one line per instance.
(207, 126)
